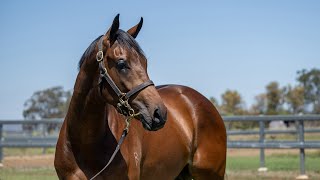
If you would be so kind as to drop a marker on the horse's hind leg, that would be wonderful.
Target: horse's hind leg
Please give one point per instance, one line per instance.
(209, 157)
(206, 166)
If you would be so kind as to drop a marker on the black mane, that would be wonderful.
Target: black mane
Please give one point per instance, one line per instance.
(88, 51)
(124, 40)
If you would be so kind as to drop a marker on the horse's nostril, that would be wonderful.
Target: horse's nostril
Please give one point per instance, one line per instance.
(157, 116)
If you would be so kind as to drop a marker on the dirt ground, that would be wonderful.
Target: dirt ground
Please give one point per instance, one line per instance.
(256, 152)
(28, 161)
(47, 160)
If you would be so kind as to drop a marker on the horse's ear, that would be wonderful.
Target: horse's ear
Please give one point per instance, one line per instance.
(134, 31)
(111, 33)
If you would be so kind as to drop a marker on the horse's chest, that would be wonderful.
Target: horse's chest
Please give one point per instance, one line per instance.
(91, 158)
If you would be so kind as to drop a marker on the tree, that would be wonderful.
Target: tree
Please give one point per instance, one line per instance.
(232, 103)
(214, 101)
(310, 81)
(260, 104)
(294, 97)
(48, 103)
(274, 97)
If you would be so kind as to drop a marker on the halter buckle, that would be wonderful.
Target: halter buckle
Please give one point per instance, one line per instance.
(99, 56)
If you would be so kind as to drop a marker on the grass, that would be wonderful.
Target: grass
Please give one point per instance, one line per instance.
(280, 166)
(28, 174)
(279, 162)
(278, 175)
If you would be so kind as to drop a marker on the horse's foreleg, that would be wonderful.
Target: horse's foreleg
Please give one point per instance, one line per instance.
(133, 173)
(77, 175)
(134, 166)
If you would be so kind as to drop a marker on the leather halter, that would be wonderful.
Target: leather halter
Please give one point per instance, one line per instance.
(123, 105)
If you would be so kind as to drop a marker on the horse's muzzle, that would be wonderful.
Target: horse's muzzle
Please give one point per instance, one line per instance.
(159, 119)
(156, 121)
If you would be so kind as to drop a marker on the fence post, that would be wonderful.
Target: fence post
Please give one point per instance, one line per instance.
(262, 167)
(1, 152)
(302, 153)
(44, 134)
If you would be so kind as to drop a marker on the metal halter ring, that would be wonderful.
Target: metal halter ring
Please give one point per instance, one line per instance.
(131, 112)
(99, 56)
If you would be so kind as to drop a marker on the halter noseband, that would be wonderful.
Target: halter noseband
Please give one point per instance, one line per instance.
(123, 105)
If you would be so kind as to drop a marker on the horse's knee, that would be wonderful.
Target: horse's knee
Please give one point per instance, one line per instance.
(133, 173)
(77, 175)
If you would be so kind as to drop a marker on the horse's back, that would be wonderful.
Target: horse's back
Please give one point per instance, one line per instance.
(198, 121)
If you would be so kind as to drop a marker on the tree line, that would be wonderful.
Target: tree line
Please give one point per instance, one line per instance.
(301, 98)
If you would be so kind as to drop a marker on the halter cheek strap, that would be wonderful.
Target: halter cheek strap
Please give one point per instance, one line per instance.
(123, 105)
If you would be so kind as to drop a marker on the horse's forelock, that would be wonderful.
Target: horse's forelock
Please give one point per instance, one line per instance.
(124, 40)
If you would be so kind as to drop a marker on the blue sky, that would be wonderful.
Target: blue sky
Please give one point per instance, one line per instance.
(208, 45)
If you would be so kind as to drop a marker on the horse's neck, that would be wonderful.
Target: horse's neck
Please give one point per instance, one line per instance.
(86, 117)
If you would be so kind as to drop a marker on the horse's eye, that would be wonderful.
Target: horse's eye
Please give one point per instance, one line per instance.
(122, 65)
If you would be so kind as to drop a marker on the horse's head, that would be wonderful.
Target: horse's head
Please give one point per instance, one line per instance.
(124, 79)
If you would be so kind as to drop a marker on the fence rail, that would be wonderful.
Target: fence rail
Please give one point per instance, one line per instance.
(263, 144)
(45, 141)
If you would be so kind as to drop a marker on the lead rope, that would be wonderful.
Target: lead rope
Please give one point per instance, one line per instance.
(124, 134)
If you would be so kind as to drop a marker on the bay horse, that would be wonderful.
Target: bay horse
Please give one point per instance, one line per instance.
(176, 132)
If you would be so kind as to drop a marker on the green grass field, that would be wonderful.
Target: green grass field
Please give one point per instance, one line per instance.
(28, 174)
(280, 166)
(276, 162)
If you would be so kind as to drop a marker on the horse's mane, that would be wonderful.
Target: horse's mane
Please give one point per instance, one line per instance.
(88, 51)
(124, 40)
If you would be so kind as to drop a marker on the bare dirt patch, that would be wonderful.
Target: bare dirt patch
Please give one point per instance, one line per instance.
(256, 152)
(36, 161)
